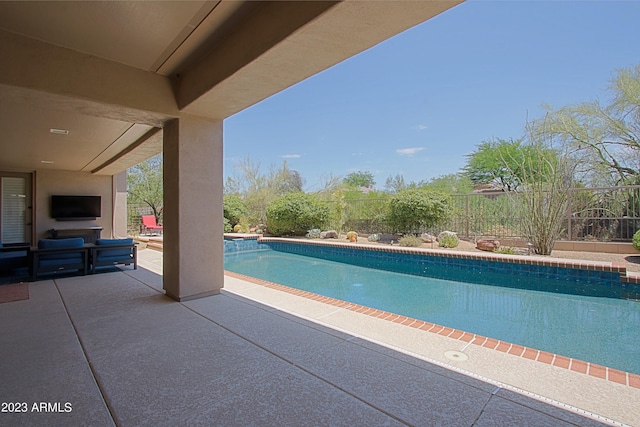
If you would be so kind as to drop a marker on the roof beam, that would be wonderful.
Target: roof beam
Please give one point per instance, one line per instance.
(73, 81)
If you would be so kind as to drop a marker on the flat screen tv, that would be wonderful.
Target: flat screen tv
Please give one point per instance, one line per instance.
(76, 208)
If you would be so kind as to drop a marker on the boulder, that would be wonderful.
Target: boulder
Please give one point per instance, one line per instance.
(427, 238)
(329, 234)
(389, 238)
(488, 244)
(314, 234)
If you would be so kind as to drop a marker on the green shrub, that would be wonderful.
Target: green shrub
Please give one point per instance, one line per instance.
(410, 241)
(227, 226)
(411, 211)
(234, 209)
(295, 213)
(636, 240)
(506, 250)
(242, 226)
(449, 241)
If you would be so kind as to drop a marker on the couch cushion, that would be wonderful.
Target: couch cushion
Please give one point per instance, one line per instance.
(128, 259)
(72, 242)
(12, 260)
(112, 254)
(60, 263)
(65, 257)
(128, 241)
(13, 254)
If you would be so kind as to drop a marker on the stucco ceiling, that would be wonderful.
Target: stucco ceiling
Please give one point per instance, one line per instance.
(112, 73)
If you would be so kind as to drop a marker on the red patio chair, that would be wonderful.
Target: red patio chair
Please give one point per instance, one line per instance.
(149, 224)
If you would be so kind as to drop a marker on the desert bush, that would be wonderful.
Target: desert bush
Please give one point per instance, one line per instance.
(448, 240)
(227, 226)
(410, 241)
(373, 237)
(242, 226)
(410, 211)
(636, 240)
(295, 213)
(234, 209)
(506, 250)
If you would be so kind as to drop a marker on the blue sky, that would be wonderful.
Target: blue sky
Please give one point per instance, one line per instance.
(418, 103)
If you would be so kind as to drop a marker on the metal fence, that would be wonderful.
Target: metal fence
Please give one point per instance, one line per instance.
(598, 214)
(134, 217)
(595, 214)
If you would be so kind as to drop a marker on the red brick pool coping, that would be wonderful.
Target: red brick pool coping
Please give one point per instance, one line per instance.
(576, 365)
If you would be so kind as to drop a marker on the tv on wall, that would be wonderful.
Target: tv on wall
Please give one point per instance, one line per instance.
(76, 208)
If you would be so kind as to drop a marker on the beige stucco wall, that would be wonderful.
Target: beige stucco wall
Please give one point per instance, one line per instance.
(48, 183)
(120, 206)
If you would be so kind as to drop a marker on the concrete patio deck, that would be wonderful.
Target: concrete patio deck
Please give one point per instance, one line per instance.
(111, 349)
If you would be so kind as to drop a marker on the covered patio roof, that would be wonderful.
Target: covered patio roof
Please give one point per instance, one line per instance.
(93, 88)
(113, 73)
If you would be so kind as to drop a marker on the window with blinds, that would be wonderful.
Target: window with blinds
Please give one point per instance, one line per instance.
(14, 206)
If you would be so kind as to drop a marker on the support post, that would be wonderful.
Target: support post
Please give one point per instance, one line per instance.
(193, 264)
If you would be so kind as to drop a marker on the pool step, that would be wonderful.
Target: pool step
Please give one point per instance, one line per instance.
(154, 242)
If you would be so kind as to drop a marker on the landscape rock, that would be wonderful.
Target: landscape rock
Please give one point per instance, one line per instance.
(329, 234)
(427, 238)
(389, 238)
(488, 244)
(314, 234)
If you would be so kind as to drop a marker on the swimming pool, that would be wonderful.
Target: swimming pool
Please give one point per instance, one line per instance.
(593, 328)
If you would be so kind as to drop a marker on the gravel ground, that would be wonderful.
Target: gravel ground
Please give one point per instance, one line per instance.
(631, 261)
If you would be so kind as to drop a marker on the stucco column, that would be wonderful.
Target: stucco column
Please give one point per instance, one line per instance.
(119, 227)
(193, 217)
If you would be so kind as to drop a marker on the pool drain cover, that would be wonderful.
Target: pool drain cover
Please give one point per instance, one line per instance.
(456, 355)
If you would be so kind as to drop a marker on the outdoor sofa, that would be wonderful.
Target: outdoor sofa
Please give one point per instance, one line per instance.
(60, 255)
(110, 252)
(14, 256)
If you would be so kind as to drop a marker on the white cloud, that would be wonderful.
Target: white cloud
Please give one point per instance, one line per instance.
(422, 127)
(409, 151)
(291, 156)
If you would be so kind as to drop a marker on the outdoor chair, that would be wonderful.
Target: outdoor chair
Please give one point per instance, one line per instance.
(14, 256)
(110, 252)
(149, 224)
(60, 255)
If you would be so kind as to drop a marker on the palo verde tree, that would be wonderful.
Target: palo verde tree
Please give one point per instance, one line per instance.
(359, 179)
(144, 185)
(603, 137)
(449, 184)
(500, 162)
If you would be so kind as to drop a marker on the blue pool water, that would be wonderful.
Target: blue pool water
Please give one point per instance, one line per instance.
(601, 330)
